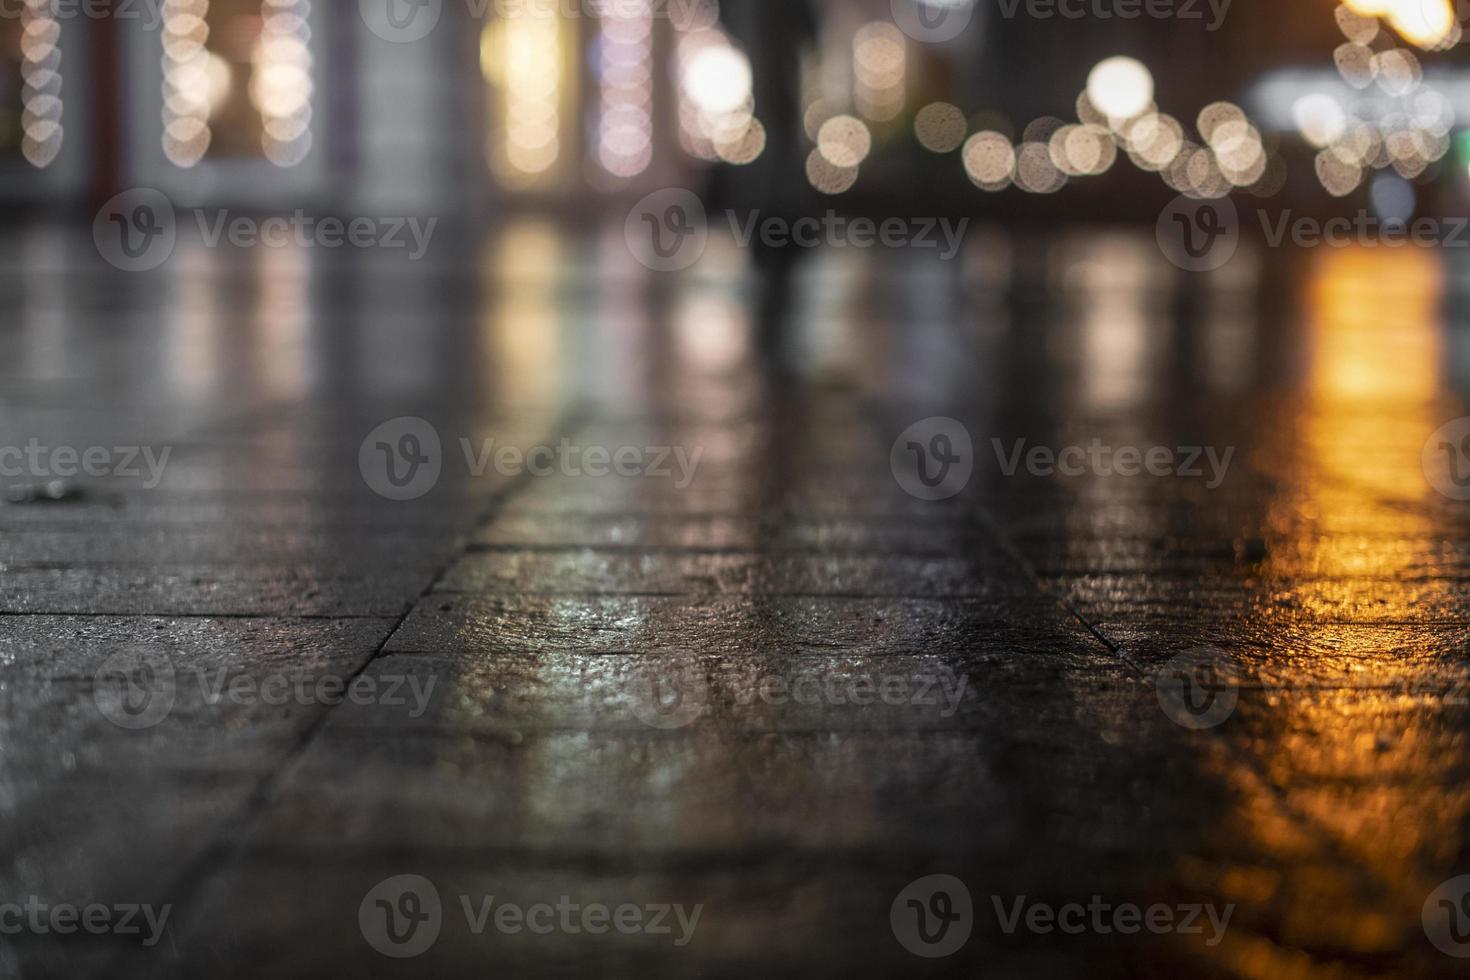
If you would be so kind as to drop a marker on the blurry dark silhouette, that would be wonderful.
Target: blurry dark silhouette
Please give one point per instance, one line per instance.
(773, 34)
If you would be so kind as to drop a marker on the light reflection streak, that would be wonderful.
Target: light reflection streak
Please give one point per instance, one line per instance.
(1351, 766)
(521, 331)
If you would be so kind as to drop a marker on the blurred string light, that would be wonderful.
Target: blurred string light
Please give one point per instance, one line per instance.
(522, 57)
(1120, 88)
(990, 160)
(940, 127)
(844, 141)
(40, 72)
(880, 67)
(1385, 115)
(1116, 112)
(625, 70)
(716, 101)
(281, 82)
(196, 81)
(828, 177)
(1427, 24)
(1402, 123)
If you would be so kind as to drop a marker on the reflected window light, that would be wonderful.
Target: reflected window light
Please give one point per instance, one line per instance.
(880, 68)
(249, 93)
(625, 73)
(40, 73)
(281, 82)
(188, 91)
(523, 59)
(1121, 342)
(521, 326)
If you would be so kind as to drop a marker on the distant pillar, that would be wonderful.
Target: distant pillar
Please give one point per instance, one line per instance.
(412, 147)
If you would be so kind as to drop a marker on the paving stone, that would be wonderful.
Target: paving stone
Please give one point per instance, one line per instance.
(447, 625)
(593, 571)
(707, 532)
(221, 590)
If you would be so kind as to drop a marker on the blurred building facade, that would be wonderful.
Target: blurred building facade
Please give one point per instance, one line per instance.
(283, 103)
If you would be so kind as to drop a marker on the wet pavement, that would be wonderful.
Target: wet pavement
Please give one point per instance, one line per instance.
(713, 649)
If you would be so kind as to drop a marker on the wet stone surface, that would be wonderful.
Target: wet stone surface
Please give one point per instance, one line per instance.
(772, 682)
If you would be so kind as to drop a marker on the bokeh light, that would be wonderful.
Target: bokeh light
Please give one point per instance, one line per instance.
(1120, 87)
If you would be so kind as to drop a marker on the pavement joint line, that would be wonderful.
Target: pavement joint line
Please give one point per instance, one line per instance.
(222, 853)
(988, 525)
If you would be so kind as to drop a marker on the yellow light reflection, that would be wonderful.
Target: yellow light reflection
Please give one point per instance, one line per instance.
(526, 60)
(1347, 795)
(521, 331)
